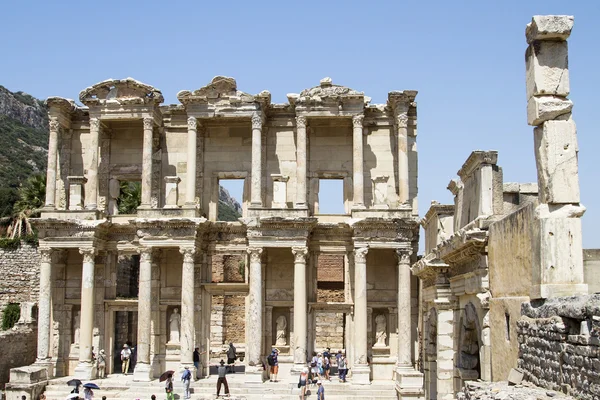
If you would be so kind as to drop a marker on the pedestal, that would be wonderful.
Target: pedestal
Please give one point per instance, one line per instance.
(361, 375)
(253, 375)
(142, 372)
(409, 383)
(85, 371)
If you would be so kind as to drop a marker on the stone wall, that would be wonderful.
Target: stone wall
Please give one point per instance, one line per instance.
(559, 345)
(20, 275)
(329, 331)
(502, 390)
(591, 269)
(228, 268)
(19, 346)
(227, 320)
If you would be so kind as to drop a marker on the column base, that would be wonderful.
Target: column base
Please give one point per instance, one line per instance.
(85, 371)
(47, 364)
(142, 372)
(409, 383)
(297, 369)
(253, 375)
(361, 375)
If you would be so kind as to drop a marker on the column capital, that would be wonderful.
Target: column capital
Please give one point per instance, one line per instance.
(88, 254)
(300, 254)
(301, 122)
(357, 121)
(360, 254)
(404, 256)
(95, 124)
(148, 123)
(145, 254)
(46, 254)
(54, 124)
(192, 123)
(255, 253)
(257, 120)
(188, 254)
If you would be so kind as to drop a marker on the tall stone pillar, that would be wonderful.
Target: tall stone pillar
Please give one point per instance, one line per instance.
(254, 316)
(147, 163)
(85, 369)
(187, 308)
(402, 127)
(91, 195)
(192, 138)
(358, 200)
(142, 370)
(360, 371)
(558, 261)
(256, 189)
(52, 164)
(404, 310)
(300, 308)
(44, 303)
(301, 162)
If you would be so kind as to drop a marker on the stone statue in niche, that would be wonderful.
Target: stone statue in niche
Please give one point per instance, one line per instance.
(380, 330)
(174, 325)
(431, 349)
(469, 343)
(114, 190)
(281, 323)
(76, 325)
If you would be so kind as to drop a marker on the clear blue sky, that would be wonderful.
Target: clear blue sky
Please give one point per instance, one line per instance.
(466, 59)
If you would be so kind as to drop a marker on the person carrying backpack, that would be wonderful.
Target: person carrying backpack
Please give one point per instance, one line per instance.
(273, 365)
(186, 378)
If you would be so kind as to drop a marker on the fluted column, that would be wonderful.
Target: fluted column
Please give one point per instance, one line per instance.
(52, 164)
(404, 309)
(357, 159)
(91, 195)
(256, 189)
(142, 367)
(147, 163)
(85, 368)
(361, 370)
(192, 138)
(300, 307)
(44, 312)
(254, 316)
(301, 162)
(187, 307)
(402, 127)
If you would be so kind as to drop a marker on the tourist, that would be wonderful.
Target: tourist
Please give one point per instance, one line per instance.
(303, 382)
(342, 368)
(153, 397)
(314, 370)
(222, 378)
(101, 364)
(320, 391)
(274, 364)
(125, 356)
(326, 367)
(169, 387)
(320, 365)
(197, 361)
(88, 394)
(231, 356)
(186, 377)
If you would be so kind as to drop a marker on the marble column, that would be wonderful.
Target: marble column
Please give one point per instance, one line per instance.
(404, 310)
(192, 139)
(147, 163)
(91, 195)
(254, 314)
(256, 179)
(142, 370)
(358, 200)
(52, 164)
(402, 127)
(187, 308)
(300, 162)
(300, 308)
(361, 370)
(85, 369)
(44, 304)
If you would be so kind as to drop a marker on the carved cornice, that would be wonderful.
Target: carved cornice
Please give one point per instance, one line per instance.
(455, 186)
(436, 210)
(122, 91)
(65, 106)
(476, 159)
(327, 91)
(395, 229)
(222, 92)
(300, 254)
(400, 101)
(463, 246)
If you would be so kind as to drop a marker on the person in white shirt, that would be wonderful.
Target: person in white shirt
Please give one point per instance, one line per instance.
(125, 357)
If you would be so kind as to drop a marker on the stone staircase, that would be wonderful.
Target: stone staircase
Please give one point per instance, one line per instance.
(120, 387)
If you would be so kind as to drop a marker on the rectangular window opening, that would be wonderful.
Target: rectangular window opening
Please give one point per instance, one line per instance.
(331, 196)
(330, 278)
(231, 194)
(130, 197)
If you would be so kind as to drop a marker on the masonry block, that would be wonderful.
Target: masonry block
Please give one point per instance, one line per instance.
(547, 69)
(546, 108)
(549, 27)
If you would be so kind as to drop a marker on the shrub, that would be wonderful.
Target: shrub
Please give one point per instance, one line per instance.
(11, 315)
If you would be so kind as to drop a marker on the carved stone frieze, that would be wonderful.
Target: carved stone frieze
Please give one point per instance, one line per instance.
(121, 91)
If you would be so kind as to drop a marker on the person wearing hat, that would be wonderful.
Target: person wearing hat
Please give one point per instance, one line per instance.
(274, 365)
(320, 391)
(186, 377)
(101, 364)
(125, 356)
(303, 382)
(222, 379)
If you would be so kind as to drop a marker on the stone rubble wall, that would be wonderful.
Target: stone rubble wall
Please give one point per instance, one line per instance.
(329, 331)
(18, 348)
(227, 320)
(503, 391)
(19, 270)
(228, 268)
(559, 347)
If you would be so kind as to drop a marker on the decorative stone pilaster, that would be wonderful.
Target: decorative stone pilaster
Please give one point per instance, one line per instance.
(380, 192)
(358, 163)
(142, 370)
(402, 130)
(361, 370)
(172, 191)
(404, 309)
(190, 180)
(85, 369)
(254, 315)
(300, 308)
(76, 192)
(52, 164)
(301, 162)
(187, 308)
(256, 179)
(45, 300)
(91, 198)
(147, 163)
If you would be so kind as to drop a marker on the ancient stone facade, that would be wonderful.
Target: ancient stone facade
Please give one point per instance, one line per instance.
(172, 277)
(19, 269)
